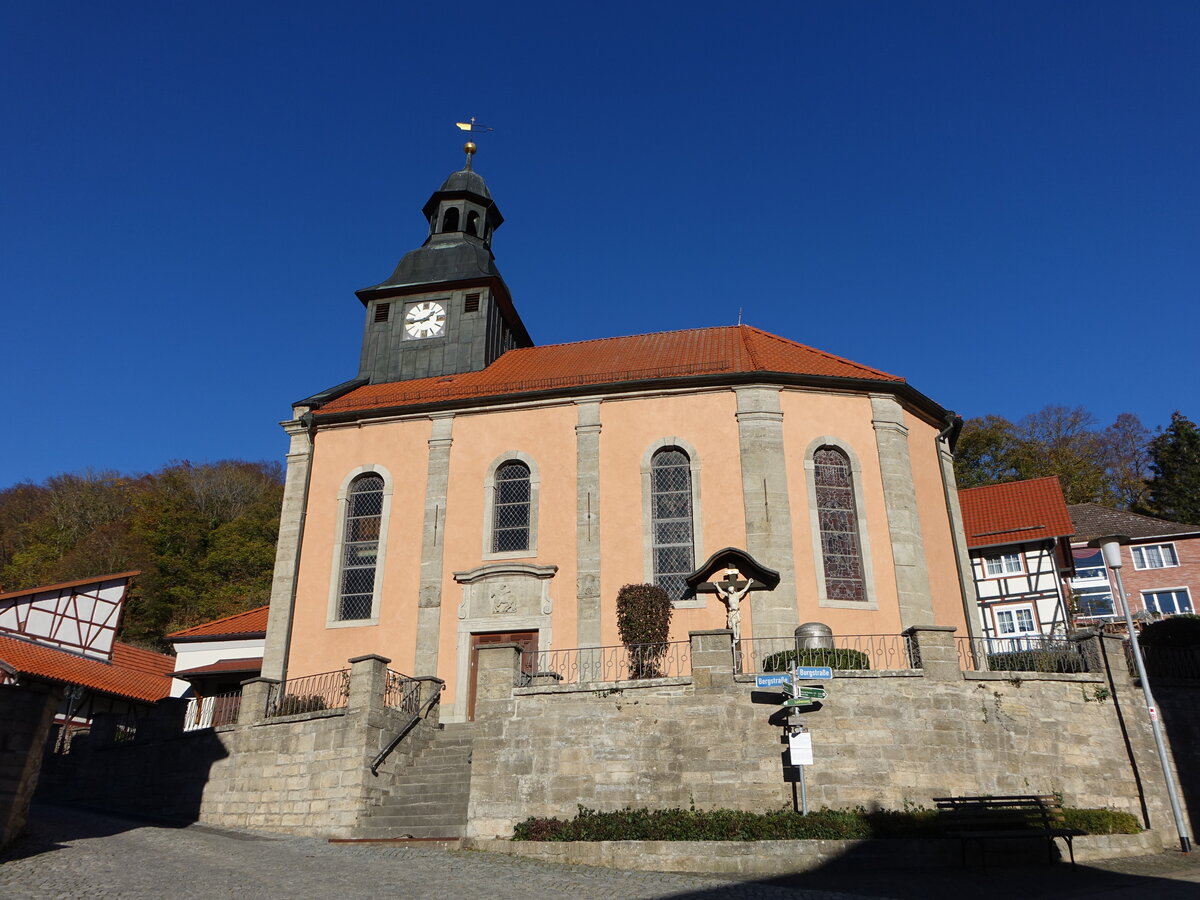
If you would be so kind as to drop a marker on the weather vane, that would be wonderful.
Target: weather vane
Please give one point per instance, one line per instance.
(472, 126)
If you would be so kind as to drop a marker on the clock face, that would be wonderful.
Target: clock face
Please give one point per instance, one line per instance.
(425, 319)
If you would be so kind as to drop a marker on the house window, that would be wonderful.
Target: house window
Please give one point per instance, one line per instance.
(1093, 602)
(1003, 564)
(1015, 621)
(510, 508)
(1089, 563)
(671, 525)
(1168, 603)
(360, 547)
(841, 549)
(1154, 556)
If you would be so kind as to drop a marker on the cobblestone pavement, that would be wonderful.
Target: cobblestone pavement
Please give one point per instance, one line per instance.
(70, 853)
(73, 853)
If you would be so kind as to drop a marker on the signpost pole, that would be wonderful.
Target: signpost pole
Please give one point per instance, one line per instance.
(803, 792)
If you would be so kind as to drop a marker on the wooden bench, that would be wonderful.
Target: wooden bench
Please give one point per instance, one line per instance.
(1014, 817)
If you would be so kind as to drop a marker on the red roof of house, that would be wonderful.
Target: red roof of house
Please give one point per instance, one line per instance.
(671, 354)
(44, 588)
(133, 673)
(251, 622)
(224, 665)
(1014, 512)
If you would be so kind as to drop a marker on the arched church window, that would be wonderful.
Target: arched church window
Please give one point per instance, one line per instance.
(671, 520)
(450, 219)
(510, 508)
(473, 223)
(837, 516)
(360, 547)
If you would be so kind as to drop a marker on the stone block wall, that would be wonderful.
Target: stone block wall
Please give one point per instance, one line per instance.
(301, 774)
(25, 714)
(881, 738)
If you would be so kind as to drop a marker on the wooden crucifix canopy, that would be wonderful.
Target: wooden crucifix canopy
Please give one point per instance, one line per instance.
(761, 578)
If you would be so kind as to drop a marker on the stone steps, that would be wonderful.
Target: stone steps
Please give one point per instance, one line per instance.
(428, 799)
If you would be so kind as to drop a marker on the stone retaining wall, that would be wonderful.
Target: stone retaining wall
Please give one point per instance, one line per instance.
(300, 774)
(25, 714)
(881, 738)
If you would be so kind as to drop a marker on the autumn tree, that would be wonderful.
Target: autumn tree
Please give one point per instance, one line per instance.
(1174, 487)
(1062, 441)
(985, 452)
(1126, 445)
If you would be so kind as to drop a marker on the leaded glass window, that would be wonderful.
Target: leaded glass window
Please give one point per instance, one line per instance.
(671, 515)
(837, 514)
(510, 508)
(360, 547)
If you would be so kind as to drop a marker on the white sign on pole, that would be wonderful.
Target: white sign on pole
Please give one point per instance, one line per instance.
(800, 747)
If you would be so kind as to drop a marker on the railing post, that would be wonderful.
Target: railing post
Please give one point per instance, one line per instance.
(712, 659)
(255, 693)
(430, 686)
(1087, 642)
(166, 719)
(934, 651)
(498, 668)
(368, 681)
(1113, 650)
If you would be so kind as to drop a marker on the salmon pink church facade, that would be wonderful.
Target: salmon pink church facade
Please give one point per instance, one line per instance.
(468, 486)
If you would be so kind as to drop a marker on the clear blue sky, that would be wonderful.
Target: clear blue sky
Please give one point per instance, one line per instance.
(997, 200)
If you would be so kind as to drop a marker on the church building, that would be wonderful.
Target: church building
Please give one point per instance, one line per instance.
(468, 486)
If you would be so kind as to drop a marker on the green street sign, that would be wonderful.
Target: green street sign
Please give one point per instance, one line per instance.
(800, 701)
(813, 693)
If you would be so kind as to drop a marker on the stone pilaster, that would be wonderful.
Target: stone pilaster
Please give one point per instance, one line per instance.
(767, 509)
(712, 659)
(900, 501)
(429, 601)
(962, 559)
(287, 548)
(255, 693)
(933, 650)
(587, 524)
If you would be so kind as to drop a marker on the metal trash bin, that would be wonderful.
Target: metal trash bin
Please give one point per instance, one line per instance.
(814, 636)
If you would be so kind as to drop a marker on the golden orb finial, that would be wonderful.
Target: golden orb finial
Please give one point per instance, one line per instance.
(470, 147)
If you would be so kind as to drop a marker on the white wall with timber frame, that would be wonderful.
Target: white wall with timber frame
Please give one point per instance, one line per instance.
(1012, 577)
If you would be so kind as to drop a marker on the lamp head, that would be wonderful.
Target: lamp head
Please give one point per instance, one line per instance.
(1110, 546)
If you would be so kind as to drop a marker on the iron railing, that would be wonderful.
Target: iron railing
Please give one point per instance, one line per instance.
(1027, 653)
(211, 712)
(1165, 662)
(604, 664)
(879, 652)
(328, 690)
(401, 692)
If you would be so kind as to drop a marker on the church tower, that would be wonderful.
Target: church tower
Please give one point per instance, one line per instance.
(445, 309)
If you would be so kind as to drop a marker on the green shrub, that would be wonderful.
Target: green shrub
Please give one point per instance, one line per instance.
(1177, 631)
(1102, 821)
(734, 825)
(786, 660)
(1036, 661)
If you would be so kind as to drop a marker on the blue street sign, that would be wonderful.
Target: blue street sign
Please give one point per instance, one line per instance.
(768, 681)
(814, 673)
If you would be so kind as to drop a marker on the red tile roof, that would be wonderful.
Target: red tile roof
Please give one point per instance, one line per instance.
(225, 665)
(251, 622)
(44, 588)
(731, 349)
(133, 673)
(1014, 512)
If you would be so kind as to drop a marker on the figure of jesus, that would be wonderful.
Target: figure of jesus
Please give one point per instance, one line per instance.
(732, 591)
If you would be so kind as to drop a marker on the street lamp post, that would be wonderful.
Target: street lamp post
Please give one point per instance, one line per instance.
(1110, 546)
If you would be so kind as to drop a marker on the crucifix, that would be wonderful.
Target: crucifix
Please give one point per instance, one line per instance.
(731, 589)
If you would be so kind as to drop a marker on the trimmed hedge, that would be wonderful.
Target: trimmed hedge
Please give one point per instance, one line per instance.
(786, 660)
(780, 825)
(1037, 661)
(1177, 631)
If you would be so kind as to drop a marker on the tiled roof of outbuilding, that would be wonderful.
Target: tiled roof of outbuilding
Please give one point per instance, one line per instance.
(1014, 512)
(1093, 520)
(731, 349)
(250, 622)
(224, 666)
(133, 673)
